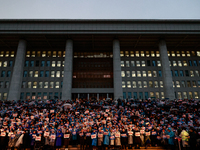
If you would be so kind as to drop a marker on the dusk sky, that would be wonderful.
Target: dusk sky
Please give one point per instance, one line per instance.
(99, 9)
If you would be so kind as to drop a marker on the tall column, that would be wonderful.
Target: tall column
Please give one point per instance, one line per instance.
(117, 70)
(166, 71)
(17, 74)
(68, 70)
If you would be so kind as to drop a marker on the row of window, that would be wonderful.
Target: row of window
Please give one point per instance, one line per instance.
(180, 73)
(6, 74)
(185, 95)
(45, 53)
(43, 63)
(39, 95)
(141, 73)
(41, 84)
(93, 54)
(157, 53)
(4, 84)
(183, 84)
(6, 63)
(7, 54)
(142, 84)
(139, 95)
(43, 73)
(157, 63)
(157, 84)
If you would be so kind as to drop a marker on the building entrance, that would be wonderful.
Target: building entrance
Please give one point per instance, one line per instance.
(92, 96)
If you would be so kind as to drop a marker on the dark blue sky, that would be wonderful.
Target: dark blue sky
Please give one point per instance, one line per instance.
(99, 9)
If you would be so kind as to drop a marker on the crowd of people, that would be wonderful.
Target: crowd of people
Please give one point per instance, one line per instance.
(100, 124)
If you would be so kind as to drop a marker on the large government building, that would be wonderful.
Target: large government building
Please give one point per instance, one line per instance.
(69, 59)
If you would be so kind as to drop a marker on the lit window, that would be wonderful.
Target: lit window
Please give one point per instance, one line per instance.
(150, 84)
(157, 94)
(185, 63)
(63, 53)
(139, 84)
(30, 74)
(28, 54)
(52, 73)
(190, 94)
(5, 96)
(34, 85)
(188, 53)
(149, 74)
(133, 74)
(63, 64)
(142, 53)
(152, 54)
(62, 73)
(168, 53)
(122, 63)
(174, 63)
(178, 84)
(40, 85)
(143, 63)
(43, 53)
(179, 63)
(127, 64)
(162, 95)
(178, 54)
(0, 63)
(38, 53)
(137, 54)
(57, 74)
(59, 53)
(193, 53)
(138, 63)
(12, 54)
(128, 84)
(197, 73)
(183, 53)
(54, 53)
(151, 94)
(45, 85)
(170, 63)
(49, 54)
(191, 73)
(57, 85)
(194, 84)
(123, 84)
(154, 73)
(138, 74)
(144, 74)
(196, 95)
(156, 84)
(158, 63)
(58, 63)
(2, 54)
(132, 64)
(145, 84)
(198, 53)
(134, 84)
(128, 74)
(33, 54)
(179, 95)
(147, 53)
(53, 63)
(126, 53)
(7, 54)
(157, 54)
(161, 84)
(132, 54)
(5, 63)
(173, 54)
(36, 74)
(173, 83)
(29, 85)
(188, 84)
(122, 73)
(121, 53)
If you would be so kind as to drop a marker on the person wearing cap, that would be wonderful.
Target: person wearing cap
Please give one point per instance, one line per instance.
(170, 137)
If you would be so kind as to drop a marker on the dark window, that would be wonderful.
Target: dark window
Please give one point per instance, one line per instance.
(195, 63)
(181, 73)
(32, 64)
(41, 73)
(26, 63)
(176, 73)
(148, 63)
(47, 74)
(48, 63)
(3, 73)
(190, 63)
(25, 74)
(172, 73)
(10, 63)
(160, 73)
(8, 74)
(42, 63)
(186, 73)
(154, 63)
(37, 63)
